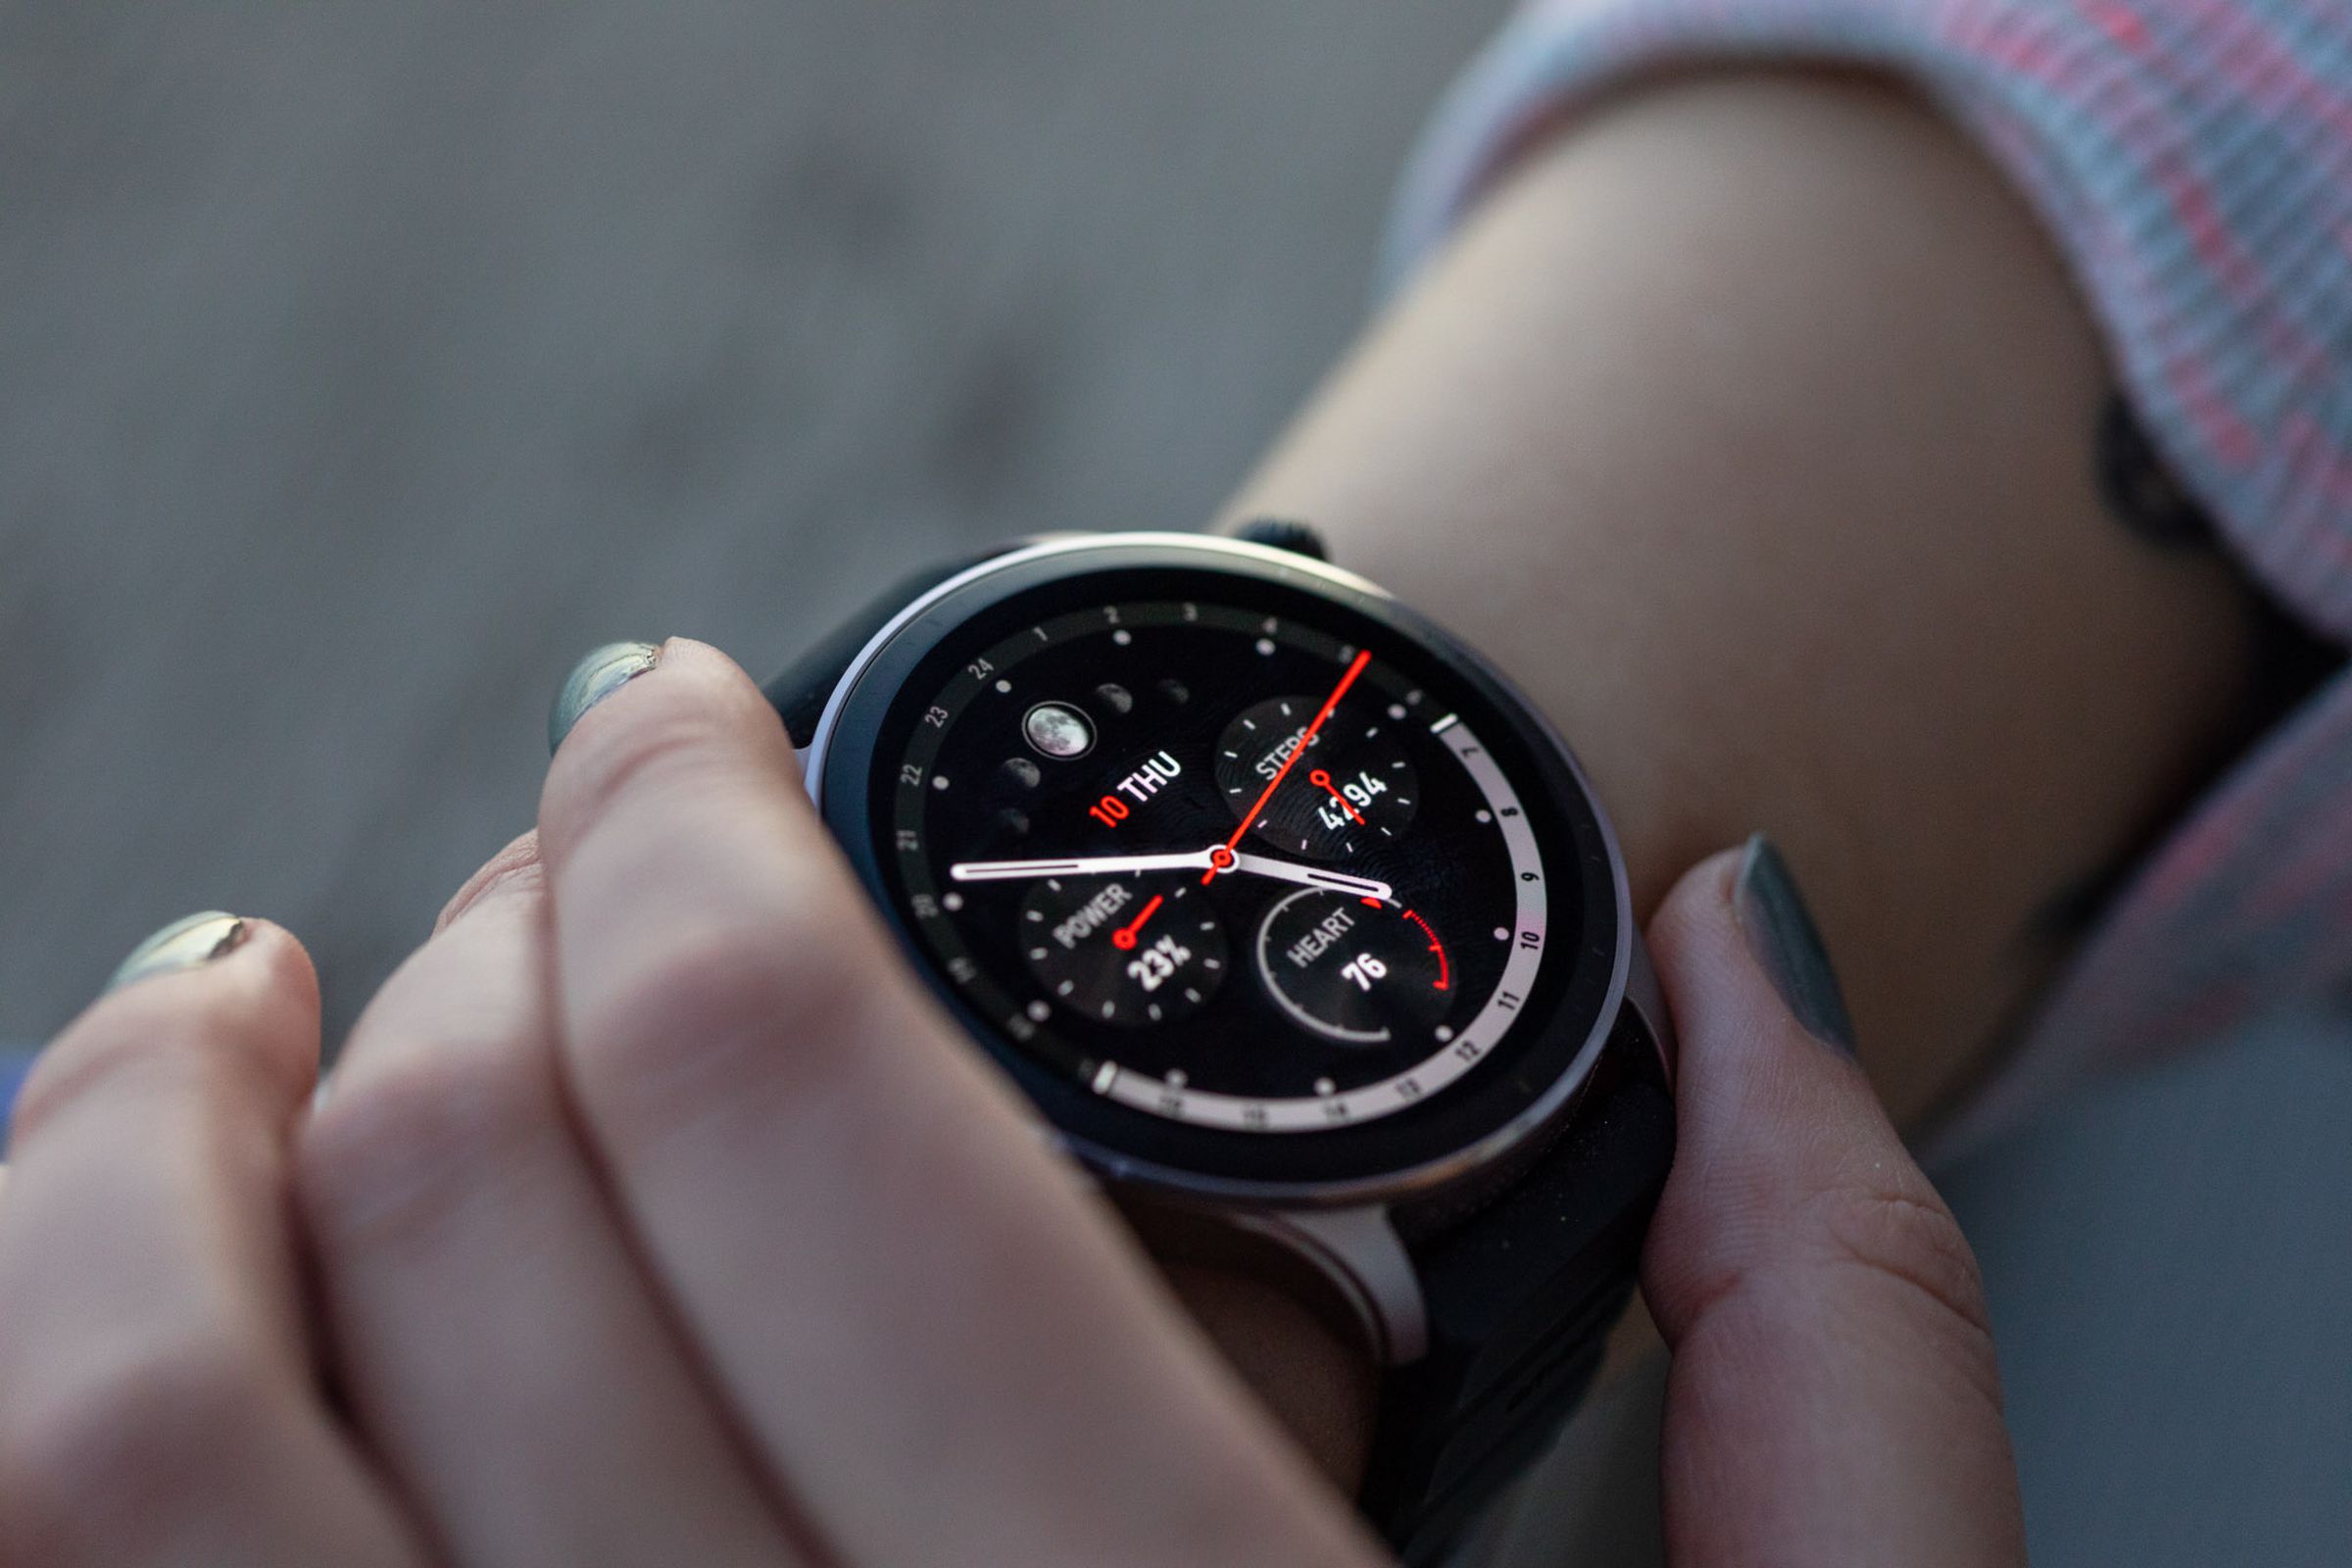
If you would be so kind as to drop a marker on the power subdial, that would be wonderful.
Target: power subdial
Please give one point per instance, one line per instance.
(1353, 788)
(1356, 969)
(1126, 950)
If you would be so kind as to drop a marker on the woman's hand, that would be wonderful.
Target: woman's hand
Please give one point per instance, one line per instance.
(657, 1216)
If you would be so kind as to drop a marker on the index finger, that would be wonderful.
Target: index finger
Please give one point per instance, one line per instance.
(943, 1344)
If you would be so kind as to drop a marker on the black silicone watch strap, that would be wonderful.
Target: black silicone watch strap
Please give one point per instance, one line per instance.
(1520, 1298)
(801, 692)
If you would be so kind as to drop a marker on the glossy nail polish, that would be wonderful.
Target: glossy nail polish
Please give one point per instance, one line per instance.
(1787, 945)
(184, 943)
(593, 679)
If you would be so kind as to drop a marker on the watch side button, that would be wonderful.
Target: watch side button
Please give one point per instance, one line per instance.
(1284, 533)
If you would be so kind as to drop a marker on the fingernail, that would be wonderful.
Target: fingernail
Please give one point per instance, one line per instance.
(1787, 945)
(592, 680)
(183, 945)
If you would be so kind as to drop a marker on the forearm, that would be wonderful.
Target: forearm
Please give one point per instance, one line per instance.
(1749, 427)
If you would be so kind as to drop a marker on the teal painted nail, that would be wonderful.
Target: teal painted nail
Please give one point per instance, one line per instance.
(592, 680)
(184, 943)
(1787, 944)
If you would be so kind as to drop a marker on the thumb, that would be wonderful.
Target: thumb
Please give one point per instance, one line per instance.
(1834, 1396)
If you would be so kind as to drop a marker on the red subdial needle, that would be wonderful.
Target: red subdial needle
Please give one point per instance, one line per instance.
(1322, 781)
(1305, 739)
(1124, 938)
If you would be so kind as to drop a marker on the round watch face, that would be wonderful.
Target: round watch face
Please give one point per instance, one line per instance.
(1248, 875)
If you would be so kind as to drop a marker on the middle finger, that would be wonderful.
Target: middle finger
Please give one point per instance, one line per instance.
(497, 1338)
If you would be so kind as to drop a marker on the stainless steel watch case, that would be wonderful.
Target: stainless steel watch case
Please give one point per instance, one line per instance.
(1339, 1244)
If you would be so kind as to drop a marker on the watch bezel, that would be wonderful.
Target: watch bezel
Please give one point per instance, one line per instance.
(1535, 1076)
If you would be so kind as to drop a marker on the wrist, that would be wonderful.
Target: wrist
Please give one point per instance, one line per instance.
(1750, 429)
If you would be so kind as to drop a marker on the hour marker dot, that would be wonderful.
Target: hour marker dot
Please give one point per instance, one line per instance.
(939, 781)
(1485, 816)
(1444, 1033)
(1502, 933)
(1040, 1012)
(1265, 645)
(1176, 1078)
(1324, 1086)
(1122, 636)
(1396, 710)
(951, 900)
(1003, 685)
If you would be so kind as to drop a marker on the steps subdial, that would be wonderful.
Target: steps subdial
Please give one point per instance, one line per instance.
(1354, 790)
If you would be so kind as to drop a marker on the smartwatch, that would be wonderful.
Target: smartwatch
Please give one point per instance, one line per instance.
(1301, 928)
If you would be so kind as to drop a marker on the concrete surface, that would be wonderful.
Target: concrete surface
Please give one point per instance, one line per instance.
(361, 365)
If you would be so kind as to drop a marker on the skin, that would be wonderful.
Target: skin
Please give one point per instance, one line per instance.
(659, 1216)
(1702, 494)
(1749, 427)
(1760, 418)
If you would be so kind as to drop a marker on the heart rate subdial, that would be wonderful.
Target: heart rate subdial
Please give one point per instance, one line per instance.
(1128, 951)
(1355, 969)
(1352, 790)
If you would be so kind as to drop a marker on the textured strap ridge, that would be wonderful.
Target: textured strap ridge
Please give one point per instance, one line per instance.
(1520, 1298)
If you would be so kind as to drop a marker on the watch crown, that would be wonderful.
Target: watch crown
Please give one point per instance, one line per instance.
(1284, 533)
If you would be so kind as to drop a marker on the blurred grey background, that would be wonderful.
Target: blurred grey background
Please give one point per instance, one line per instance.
(361, 365)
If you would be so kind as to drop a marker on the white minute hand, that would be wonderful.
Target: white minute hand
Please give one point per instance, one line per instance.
(1215, 854)
(1084, 866)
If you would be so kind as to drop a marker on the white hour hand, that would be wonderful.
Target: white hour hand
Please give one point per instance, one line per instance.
(1312, 876)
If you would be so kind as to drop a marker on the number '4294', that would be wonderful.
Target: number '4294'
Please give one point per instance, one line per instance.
(1359, 791)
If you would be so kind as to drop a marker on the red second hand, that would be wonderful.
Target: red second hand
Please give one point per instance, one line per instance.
(1124, 937)
(1221, 859)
